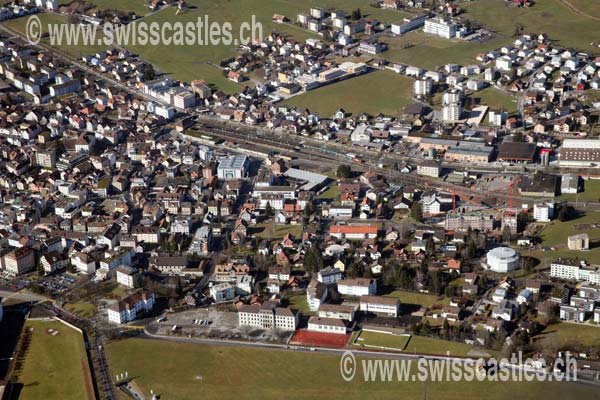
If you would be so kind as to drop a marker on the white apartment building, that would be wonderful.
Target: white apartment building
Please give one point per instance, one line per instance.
(128, 308)
(127, 276)
(83, 262)
(389, 306)
(408, 24)
(543, 212)
(422, 87)
(451, 112)
(440, 27)
(575, 270)
(357, 287)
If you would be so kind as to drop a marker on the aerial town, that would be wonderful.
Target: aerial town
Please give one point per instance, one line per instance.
(344, 198)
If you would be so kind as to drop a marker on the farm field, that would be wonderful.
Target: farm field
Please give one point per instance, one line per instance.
(562, 25)
(188, 369)
(557, 232)
(495, 99)
(19, 24)
(190, 62)
(591, 8)
(425, 51)
(586, 335)
(56, 366)
(376, 92)
(139, 7)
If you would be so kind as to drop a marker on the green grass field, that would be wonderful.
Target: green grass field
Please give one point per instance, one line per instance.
(55, 367)
(556, 232)
(566, 333)
(189, 62)
(332, 192)
(270, 231)
(76, 50)
(376, 339)
(589, 7)
(184, 371)
(549, 16)
(495, 99)
(139, 7)
(423, 299)
(426, 51)
(83, 309)
(375, 92)
(591, 192)
(422, 344)
(298, 302)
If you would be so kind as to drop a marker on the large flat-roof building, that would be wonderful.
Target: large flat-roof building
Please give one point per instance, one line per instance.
(408, 24)
(519, 152)
(580, 153)
(575, 270)
(232, 167)
(442, 27)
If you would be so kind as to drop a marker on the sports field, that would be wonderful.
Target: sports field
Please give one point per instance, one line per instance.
(376, 92)
(381, 340)
(187, 371)
(56, 365)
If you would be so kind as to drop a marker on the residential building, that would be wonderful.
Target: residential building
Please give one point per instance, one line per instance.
(128, 276)
(575, 270)
(579, 242)
(571, 314)
(329, 275)
(357, 287)
(129, 308)
(543, 212)
(19, 261)
(316, 294)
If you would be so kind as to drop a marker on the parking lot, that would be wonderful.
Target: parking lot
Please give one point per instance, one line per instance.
(57, 284)
(213, 324)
